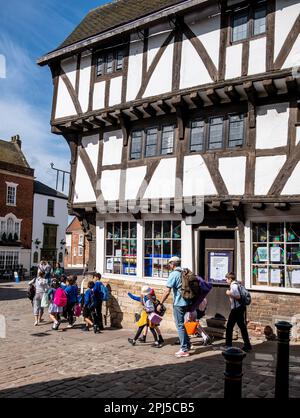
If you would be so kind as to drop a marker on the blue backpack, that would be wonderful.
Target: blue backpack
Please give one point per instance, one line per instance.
(105, 293)
(102, 293)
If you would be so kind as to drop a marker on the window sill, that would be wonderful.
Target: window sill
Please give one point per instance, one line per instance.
(135, 279)
(13, 205)
(281, 290)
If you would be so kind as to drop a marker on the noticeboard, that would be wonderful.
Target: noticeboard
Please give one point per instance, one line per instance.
(220, 262)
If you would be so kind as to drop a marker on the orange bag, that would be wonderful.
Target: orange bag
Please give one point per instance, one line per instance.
(191, 327)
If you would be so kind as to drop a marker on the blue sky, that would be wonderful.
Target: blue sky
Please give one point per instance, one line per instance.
(28, 30)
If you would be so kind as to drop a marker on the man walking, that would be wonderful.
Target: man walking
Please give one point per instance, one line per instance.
(237, 313)
(179, 305)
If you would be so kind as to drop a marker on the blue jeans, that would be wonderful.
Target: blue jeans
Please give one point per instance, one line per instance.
(179, 312)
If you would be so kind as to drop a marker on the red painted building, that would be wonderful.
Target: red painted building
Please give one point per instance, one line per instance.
(77, 246)
(16, 206)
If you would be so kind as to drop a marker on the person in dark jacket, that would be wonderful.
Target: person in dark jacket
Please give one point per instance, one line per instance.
(98, 297)
(72, 295)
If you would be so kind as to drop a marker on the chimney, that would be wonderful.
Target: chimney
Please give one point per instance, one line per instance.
(16, 140)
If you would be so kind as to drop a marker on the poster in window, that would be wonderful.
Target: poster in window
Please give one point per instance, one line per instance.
(275, 254)
(262, 254)
(109, 264)
(275, 276)
(219, 264)
(296, 276)
(262, 275)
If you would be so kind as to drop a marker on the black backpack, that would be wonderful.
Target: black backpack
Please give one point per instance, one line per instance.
(245, 295)
(31, 292)
(190, 287)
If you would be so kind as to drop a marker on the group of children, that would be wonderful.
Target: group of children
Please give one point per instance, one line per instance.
(148, 319)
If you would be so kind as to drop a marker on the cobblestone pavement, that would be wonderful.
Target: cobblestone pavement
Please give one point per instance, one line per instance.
(39, 362)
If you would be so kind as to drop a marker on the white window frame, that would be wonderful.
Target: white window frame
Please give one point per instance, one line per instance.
(14, 187)
(248, 254)
(4, 226)
(12, 253)
(80, 251)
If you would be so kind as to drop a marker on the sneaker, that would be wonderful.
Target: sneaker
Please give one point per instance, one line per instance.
(161, 340)
(36, 323)
(142, 339)
(96, 329)
(70, 326)
(191, 347)
(182, 354)
(85, 329)
(247, 349)
(131, 341)
(55, 326)
(157, 344)
(208, 341)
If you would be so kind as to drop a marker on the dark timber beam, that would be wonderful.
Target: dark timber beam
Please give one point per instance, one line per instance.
(96, 122)
(196, 99)
(270, 88)
(250, 91)
(291, 85)
(232, 94)
(136, 112)
(163, 106)
(148, 109)
(107, 117)
(259, 206)
(213, 96)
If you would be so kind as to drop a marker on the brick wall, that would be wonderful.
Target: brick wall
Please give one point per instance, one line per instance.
(24, 208)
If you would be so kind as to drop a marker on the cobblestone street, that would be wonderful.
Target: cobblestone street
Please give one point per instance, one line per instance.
(39, 362)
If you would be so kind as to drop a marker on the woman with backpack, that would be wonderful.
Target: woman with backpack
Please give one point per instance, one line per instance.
(41, 287)
(54, 310)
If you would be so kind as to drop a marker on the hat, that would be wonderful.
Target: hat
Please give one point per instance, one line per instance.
(174, 260)
(146, 290)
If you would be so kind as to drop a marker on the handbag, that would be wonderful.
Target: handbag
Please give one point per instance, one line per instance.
(191, 327)
(45, 301)
(155, 318)
(77, 310)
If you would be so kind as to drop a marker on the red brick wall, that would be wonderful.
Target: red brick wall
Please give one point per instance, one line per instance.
(70, 259)
(24, 208)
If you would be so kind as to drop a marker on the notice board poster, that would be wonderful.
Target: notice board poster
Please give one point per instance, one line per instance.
(219, 264)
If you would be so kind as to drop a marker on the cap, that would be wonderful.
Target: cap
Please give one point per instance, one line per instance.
(174, 260)
(146, 290)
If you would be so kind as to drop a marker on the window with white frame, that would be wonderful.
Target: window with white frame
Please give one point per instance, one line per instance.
(10, 228)
(80, 251)
(9, 260)
(121, 248)
(11, 194)
(80, 242)
(276, 254)
(162, 241)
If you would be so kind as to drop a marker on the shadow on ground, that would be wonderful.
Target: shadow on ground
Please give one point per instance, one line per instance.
(11, 292)
(199, 378)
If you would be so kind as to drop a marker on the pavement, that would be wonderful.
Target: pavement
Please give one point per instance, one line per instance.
(41, 363)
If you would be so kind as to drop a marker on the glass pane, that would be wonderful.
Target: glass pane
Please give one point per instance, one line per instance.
(260, 275)
(167, 249)
(157, 229)
(133, 230)
(240, 25)
(176, 248)
(109, 247)
(293, 277)
(260, 253)
(293, 232)
(125, 230)
(277, 254)
(236, 131)
(167, 141)
(133, 246)
(167, 229)
(148, 230)
(148, 248)
(215, 139)
(117, 231)
(259, 232)
(276, 275)
(117, 246)
(151, 142)
(117, 265)
(276, 232)
(157, 248)
(100, 66)
(260, 13)
(197, 136)
(293, 254)
(136, 145)
(119, 60)
(125, 247)
(148, 267)
(165, 269)
(177, 229)
(109, 228)
(157, 267)
(109, 63)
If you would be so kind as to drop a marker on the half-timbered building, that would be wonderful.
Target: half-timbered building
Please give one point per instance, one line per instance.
(163, 100)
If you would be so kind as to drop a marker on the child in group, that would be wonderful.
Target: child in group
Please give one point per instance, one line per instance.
(195, 316)
(54, 310)
(72, 295)
(89, 310)
(147, 301)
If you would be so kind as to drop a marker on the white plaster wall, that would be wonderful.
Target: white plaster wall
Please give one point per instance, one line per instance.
(100, 245)
(161, 80)
(84, 84)
(187, 245)
(40, 206)
(135, 66)
(110, 184)
(69, 66)
(233, 171)
(83, 189)
(163, 181)
(266, 171)
(24, 258)
(112, 147)
(196, 177)
(91, 145)
(155, 41)
(234, 61)
(99, 95)
(134, 179)
(193, 71)
(293, 184)
(115, 91)
(272, 125)
(286, 14)
(64, 105)
(257, 56)
(293, 58)
(297, 135)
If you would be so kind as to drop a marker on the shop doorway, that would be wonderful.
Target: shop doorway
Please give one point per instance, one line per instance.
(217, 256)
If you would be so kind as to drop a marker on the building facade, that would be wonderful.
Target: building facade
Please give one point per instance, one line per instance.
(50, 219)
(77, 246)
(183, 122)
(16, 203)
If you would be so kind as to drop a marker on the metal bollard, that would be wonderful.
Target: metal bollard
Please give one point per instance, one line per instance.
(233, 373)
(282, 366)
